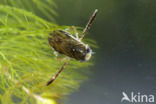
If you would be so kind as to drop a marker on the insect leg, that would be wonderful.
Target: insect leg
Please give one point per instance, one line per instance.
(57, 56)
(75, 32)
(59, 59)
(89, 24)
(57, 74)
(55, 53)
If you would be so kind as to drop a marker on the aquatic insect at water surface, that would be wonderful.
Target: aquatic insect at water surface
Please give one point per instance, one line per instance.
(65, 43)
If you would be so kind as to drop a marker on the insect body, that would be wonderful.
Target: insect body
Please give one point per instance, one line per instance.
(64, 43)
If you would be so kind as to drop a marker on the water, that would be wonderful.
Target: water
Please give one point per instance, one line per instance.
(126, 59)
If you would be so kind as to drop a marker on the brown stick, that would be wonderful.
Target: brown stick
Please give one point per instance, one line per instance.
(57, 74)
(92, 18)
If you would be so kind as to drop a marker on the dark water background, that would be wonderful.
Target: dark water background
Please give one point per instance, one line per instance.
(125, 31)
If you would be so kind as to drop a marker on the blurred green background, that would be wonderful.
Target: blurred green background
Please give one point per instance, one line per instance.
(27, 60)
(125, 31)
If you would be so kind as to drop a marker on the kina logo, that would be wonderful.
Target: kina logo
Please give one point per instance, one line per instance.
(137, 98)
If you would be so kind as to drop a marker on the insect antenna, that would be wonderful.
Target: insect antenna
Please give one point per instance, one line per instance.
(57, 74)
(92, 18)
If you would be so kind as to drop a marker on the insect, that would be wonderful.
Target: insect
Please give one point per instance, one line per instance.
(65, 43)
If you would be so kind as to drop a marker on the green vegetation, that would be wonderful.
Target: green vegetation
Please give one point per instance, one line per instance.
(27, 61)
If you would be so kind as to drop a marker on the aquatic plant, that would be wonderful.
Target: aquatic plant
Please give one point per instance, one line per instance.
(27, 61)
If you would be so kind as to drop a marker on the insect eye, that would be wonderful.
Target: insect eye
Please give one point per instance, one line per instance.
(88, 50)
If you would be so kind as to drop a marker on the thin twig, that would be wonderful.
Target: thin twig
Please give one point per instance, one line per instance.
(58, 73)
(92, 18)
